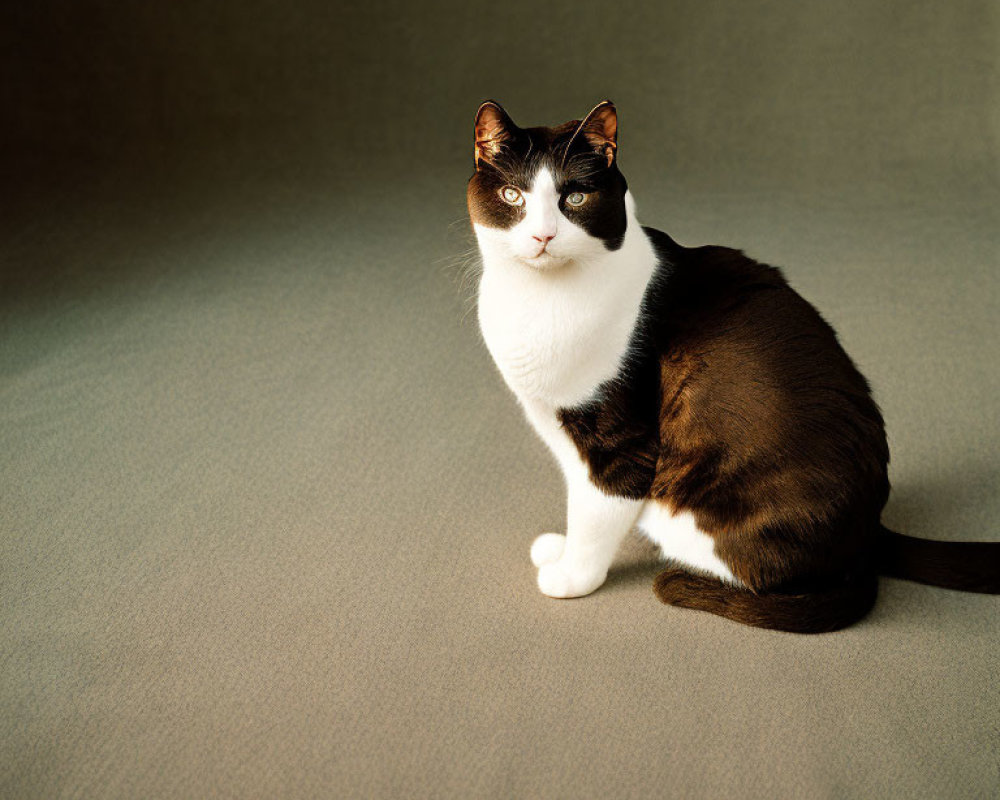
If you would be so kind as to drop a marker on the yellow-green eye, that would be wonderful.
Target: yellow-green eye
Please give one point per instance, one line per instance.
(576, 199)
(512, 196)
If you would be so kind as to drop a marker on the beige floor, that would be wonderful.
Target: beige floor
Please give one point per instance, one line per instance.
(267, 509)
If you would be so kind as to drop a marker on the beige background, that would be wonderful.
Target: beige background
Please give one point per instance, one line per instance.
(266, 505)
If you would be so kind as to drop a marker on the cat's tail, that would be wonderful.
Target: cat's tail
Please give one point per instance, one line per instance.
(828, 609)
(966, 566)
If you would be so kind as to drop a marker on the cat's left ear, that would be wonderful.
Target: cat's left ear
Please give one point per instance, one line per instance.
(599, 129)
(494, 129)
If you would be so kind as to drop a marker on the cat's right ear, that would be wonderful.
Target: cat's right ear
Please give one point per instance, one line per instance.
(494, 129)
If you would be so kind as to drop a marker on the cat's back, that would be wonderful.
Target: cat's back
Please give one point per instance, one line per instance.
(747, 364)
(741, 318)
(695, 287)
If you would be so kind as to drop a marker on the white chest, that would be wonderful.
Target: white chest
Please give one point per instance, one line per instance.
(558, 334)
(554, 340)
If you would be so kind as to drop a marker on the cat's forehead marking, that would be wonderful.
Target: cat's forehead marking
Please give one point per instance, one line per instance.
(543, 185)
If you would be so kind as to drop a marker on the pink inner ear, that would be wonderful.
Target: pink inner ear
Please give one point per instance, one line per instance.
(603, 125)
(490, 131)
(601, 129)
(485, 131)
(489, 123)
(608, 122)
(487, 145)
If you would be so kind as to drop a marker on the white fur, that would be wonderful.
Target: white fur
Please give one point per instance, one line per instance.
(557, 320)
(681, 540)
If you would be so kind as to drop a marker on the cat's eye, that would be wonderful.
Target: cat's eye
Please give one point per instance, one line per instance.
(512, 196)
(576, 199)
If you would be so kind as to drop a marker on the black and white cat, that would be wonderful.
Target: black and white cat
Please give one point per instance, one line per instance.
(687, 391)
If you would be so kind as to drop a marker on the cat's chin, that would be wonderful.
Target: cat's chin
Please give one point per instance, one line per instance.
(545, 261)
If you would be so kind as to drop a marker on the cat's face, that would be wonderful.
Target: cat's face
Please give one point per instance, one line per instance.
(547, 196)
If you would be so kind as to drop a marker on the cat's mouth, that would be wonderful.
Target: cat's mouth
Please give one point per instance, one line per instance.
(544, 260)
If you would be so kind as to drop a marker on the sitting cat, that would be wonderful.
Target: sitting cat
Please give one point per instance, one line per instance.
(687, 391)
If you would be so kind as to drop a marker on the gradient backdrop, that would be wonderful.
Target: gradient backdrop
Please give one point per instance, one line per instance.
(265, 504)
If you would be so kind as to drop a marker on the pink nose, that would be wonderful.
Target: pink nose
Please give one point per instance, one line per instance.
(543, 239)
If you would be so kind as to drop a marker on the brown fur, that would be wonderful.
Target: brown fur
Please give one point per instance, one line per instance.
(967, 566)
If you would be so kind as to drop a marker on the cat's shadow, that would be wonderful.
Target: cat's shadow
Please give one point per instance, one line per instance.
(638, 562)
(935, 508)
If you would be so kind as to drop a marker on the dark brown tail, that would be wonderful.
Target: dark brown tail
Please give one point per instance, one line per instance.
(817, 612)
(966, 566)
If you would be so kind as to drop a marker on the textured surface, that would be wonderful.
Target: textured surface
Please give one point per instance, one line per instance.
(266, 505)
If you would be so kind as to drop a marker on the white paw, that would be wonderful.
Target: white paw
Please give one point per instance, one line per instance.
(547, 548)
(560, 579)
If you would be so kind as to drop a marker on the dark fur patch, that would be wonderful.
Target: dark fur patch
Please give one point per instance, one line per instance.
(966, 566)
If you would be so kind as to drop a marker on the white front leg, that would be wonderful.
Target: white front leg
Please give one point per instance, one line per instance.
(577, 563)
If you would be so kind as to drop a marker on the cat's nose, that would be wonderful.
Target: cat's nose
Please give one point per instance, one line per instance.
(543, 239)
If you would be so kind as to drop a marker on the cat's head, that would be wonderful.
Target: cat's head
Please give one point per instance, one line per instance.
(546, 197)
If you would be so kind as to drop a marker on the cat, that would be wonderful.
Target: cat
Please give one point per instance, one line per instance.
(689, 392)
